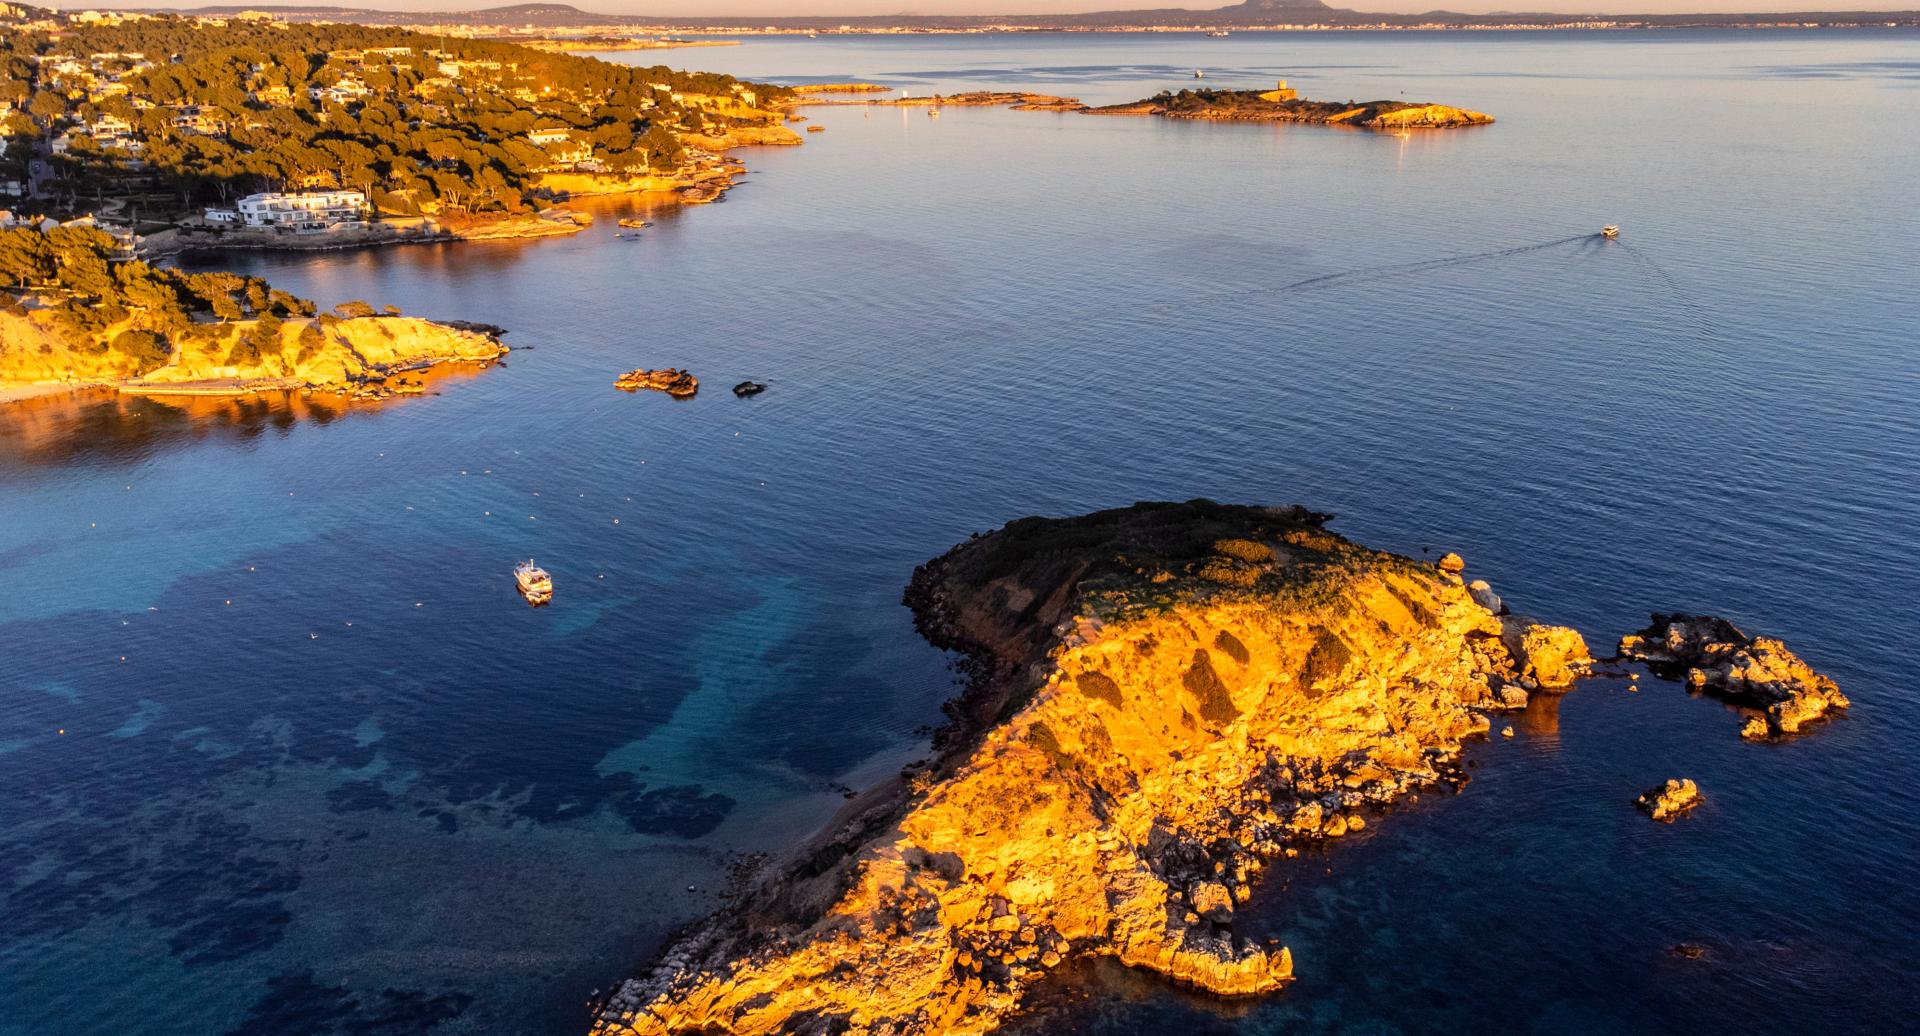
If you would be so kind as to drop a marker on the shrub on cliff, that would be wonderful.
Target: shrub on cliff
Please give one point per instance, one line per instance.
(144, 350)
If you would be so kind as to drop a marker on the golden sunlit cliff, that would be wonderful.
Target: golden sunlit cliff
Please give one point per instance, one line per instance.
(1165, 700)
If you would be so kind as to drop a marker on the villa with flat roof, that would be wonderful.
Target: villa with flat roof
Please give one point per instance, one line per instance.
(311, 210)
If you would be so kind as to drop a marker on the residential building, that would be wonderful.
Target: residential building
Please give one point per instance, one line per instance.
(312, 210)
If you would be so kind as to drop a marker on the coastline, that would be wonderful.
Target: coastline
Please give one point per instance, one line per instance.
(697, 186)
(372, 357)
(1161, 702)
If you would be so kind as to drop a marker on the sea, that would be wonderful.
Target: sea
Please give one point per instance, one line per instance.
(284, 753)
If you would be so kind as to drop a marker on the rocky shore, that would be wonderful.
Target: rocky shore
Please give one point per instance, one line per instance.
(391, 231)
(1164, 700)
(364, 357)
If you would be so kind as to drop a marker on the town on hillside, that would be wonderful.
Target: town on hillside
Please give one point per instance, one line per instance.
(250, 125)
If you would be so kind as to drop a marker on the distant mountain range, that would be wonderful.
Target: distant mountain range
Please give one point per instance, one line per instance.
(1247, 14)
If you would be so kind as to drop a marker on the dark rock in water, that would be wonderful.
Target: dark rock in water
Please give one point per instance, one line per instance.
(490, 330)
(1716, 656)
(748, 388)
(671, 380)
(1669, 800)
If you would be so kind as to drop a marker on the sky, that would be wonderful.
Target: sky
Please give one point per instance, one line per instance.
(789, 8)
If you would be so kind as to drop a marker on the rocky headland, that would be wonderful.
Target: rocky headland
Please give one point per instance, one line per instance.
(1715, 656)
(1164, 700)
(365, 357)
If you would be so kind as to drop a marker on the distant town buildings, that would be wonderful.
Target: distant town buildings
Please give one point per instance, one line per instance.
(310, 210)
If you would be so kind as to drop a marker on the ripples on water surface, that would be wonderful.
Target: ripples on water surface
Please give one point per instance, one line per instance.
(343, 781)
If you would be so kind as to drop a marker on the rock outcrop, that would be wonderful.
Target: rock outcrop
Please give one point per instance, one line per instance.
(1283, 106)
(1164, 700)
(1669, 800)
(1757, 672)
(673, 381)
(362, 356)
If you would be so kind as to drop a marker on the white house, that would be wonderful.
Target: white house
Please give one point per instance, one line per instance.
(311, 210)
(550, 135)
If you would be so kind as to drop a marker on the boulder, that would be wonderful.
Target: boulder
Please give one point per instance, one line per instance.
(1551, 656)
(1669, 800)
(1484, 596)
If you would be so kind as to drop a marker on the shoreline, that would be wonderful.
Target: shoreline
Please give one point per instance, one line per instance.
(365, 358)
(1079, 805)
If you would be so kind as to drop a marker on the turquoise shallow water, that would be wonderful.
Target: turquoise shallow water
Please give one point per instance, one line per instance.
(375, 793)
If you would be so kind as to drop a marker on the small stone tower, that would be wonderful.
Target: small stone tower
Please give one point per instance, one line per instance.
(1281, 94)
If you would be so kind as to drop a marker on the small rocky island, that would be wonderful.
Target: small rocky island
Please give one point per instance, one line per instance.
(673, 381)
(1165, 700)
(1283, 104)
(1761, 673)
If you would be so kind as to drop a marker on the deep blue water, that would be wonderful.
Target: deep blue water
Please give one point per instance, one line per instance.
(322, 772)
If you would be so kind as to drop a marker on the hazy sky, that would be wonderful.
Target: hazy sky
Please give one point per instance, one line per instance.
(731, 8)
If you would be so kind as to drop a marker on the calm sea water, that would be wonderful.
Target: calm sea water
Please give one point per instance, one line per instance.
(284, 753)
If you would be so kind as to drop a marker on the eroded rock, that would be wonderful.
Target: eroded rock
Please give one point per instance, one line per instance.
(1669, 800)
(1758, 672)
(671, 380)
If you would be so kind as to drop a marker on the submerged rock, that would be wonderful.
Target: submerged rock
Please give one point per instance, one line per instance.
(671, 380)
(1669, 800)
(1165, 700)
(1758, 672)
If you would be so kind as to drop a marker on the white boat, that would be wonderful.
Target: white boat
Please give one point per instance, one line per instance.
(534, 583)
(1219, 32)
(1610, 230)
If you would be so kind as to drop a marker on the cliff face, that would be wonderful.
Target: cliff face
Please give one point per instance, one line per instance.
(1166, 699)
(333, 355)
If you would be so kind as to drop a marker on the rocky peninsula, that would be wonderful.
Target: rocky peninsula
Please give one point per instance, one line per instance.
(1164, 700)
(363, 357)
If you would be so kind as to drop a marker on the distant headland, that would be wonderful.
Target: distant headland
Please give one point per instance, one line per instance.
(1251, 14)
(1281, 104)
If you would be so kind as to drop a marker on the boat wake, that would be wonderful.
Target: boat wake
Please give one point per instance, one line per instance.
(1417, 266)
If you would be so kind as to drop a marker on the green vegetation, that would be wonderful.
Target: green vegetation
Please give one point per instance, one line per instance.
(82, 278)
(187, 113)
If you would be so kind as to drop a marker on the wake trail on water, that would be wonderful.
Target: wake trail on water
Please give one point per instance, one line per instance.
(1417, 266)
